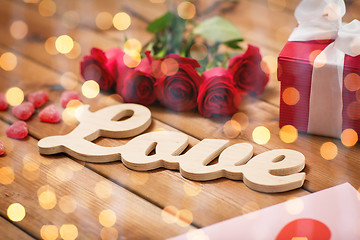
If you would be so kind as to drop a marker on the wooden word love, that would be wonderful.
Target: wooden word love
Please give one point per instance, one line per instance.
(271, 171)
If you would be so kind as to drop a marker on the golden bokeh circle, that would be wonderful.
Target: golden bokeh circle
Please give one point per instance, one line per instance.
(186, 10)
(261, 135)
(328, 150)
(121, 21)
(349, 137)
(291, 96)
(16, 212)
(288, 134)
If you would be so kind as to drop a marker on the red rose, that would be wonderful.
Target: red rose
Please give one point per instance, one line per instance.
(217, 94)
(94, 67)
(178, 88)
(136, 85)
(115, 61)
(247, 73)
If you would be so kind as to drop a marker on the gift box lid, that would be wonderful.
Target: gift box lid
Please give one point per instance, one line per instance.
(300, 51)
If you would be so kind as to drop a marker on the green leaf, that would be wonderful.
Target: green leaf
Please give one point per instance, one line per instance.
(234, 44)
(218, 29)
(161, 23)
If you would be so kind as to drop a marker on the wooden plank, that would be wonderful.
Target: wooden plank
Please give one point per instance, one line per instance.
(41, 28)
(68, 179)
(10, 231)
(168, 185)
(272, 93)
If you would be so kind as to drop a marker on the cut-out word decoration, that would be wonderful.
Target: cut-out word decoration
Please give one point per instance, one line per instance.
(271, 171)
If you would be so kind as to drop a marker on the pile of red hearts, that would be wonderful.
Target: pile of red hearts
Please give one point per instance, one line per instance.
(25, 110)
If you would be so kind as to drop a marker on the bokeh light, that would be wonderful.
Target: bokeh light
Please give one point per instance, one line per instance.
(291, 96)
(64, 44)
(107, 218)
(47, 197)
(313, 55)
(69, 232)
(169, 66)
(104, 20)
(132, 44)
(109, 233)
(349, 137)
(70, 19)
(271, 64)
(185, 218)
(8, 61)
(170, 214)
(352, 82)
(121, 21)
(64, 172)
(30, 175)
(49, 232)
(157, 1)
(75, 51)
(328, 150)
(30, 167)
(90, 89)
(232, 129)
(294, 206)
(288, 134)
(132, 58)
(16, 212)
(261, 135)
(50, 46)
(198, 51)
(353, 110)
(68, 115)
(18, 29)
(67, 204)
(186, 10)
(14, 96)
(47, 8)
(139, 178)
(321, 60)
(192, 189)
(103, 189)
(7, 175)
(242, 119)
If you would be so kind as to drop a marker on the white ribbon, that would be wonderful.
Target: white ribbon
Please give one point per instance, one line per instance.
(319, 20)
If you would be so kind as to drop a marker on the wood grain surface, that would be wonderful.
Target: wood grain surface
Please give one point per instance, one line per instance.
(147, 205)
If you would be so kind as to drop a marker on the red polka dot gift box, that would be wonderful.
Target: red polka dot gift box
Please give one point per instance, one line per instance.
(319, 71)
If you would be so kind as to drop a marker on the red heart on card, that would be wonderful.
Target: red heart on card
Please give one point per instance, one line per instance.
(305, 228)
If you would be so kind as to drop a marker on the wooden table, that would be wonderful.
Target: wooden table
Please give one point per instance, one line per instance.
(66, 198)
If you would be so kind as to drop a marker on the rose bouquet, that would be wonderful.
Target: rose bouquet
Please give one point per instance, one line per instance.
(183, 68)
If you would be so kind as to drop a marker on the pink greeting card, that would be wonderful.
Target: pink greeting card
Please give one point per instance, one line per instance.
(333, 213)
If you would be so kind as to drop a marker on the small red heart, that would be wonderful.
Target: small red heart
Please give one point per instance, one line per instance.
(50, 114)
(38, 98)
(23, 111)
(305, 228)
(18, 130)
